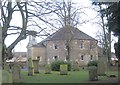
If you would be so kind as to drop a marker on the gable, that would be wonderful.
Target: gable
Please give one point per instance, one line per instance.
(76, 35)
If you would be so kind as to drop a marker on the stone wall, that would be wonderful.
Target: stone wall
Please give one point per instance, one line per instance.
(57, 50)
(38, 52)
(76, 51)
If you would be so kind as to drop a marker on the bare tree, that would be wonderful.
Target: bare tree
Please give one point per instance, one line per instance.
(106, 32)
(68, 17)
(32, 14)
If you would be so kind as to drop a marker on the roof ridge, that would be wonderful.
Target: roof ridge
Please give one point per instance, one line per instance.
(60, 35)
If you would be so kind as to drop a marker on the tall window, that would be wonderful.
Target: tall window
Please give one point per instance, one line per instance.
(90, 45)
(56, 57)
(81, 44)
(82, 57)
(91, 57)
(38, 57)
(55, 46)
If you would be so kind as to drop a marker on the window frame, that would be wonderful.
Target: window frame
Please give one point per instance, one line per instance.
(81, 44)
(82, 57)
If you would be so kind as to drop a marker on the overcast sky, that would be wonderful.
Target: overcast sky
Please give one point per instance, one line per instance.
(88, 28)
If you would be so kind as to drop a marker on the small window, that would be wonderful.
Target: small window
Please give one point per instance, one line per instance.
(91, 44)
(81, 44)
(38, 57)
(56, 47)
(91, 57)
(56, 57)
(82, 57)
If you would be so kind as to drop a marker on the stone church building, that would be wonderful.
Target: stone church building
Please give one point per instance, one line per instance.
(83, 47)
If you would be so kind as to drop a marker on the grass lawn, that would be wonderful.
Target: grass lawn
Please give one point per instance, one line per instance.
(72, 77)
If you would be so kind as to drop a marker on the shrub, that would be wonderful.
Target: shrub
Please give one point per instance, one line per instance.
(93, 63)
(56, 65)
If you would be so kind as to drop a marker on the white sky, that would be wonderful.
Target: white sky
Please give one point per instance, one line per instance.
(87, 28)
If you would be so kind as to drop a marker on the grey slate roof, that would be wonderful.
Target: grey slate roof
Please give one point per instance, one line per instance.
(61, 35)
(23, 54)
(39, 44)
(76, 34)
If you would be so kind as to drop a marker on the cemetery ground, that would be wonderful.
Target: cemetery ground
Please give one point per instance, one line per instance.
(81, 76)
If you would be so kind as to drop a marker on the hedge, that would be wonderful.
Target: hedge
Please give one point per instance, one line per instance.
(56, 65)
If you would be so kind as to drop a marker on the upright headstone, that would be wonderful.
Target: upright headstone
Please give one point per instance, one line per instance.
(93, 76)
(16, 73)
(48, 69)
(6, 77)
(64, 69)
(6, 67)
(75, 66)
(30, 67)
(101, 66)
(36, 66)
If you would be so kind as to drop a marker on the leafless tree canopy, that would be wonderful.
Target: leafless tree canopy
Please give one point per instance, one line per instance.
(35, 18)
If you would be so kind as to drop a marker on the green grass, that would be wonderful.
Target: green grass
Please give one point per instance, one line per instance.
(72, 77)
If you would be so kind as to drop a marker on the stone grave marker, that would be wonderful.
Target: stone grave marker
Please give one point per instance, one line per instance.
(36, 66)
(30, 67)
(93, 76)
(48, 69)
(101, 66)
(6, 67)
(75, 66)
(6, 77)
(16, 73)
(63, 69)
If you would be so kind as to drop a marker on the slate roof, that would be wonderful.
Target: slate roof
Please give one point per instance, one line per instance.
(76, 34)
(23, 54)
(61, 35)
(39, 44)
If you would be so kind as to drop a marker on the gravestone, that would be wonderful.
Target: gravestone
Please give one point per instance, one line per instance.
(36, 66)
(75, 66)
(6, 77)
(30, 67)
(63, 69)
(48, 69)
(101, 66)
(93, 76)
(16, 73)
(6, 67)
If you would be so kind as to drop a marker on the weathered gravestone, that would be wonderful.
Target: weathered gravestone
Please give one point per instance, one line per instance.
(48, 69)
(6, 67)
(93, 76)
(30, 67)
(6, 77)
(64, 69)
(16, 73)
(36, 66)
(75, 66)
(101, 66)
